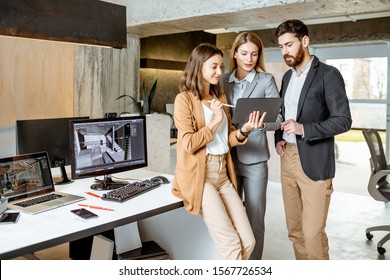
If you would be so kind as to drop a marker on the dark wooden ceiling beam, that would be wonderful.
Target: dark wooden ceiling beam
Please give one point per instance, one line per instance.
(76, 21)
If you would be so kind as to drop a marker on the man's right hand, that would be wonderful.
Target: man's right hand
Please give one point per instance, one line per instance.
(280, 147)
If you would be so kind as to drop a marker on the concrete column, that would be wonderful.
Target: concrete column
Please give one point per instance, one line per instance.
(103, 74)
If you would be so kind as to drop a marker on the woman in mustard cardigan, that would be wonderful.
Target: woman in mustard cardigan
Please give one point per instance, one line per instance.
(205, 178)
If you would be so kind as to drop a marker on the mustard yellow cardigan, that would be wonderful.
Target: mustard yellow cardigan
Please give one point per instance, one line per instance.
(193, 135)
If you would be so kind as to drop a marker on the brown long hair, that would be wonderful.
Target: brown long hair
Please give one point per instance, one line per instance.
(243, 38)
(192, 78)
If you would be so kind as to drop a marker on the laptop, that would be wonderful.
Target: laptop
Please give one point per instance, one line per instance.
(245, 106)
(27, 183)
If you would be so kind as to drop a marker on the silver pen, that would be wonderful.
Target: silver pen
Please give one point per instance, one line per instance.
(223, 104)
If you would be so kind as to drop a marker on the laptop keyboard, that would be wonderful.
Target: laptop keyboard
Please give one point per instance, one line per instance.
(37, 200)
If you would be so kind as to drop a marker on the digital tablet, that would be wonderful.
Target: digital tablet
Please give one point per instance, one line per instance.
(245, 106)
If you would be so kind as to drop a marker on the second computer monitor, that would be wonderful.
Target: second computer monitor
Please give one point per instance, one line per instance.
(50, 135)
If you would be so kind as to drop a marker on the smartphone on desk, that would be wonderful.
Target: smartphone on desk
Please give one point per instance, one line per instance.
(9, 218)
(84, 213)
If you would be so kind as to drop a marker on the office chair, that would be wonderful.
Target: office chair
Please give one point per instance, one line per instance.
(378, 186)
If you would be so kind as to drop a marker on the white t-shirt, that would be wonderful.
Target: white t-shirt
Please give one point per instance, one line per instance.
(220, 144)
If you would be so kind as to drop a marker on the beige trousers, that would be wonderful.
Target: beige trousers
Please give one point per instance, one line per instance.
(306, 205)
(224, 213)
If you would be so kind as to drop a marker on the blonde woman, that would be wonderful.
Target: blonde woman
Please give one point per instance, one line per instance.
(247, 78)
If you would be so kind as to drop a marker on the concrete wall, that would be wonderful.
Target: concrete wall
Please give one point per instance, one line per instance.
(101, 75)
(175, 16)
(341, 33)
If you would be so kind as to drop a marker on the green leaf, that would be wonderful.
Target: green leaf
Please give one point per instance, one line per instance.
(137, 104)
(152, 92)
(124, 95)
(145, 109)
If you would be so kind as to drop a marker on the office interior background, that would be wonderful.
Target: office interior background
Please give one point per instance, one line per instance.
(46, 79)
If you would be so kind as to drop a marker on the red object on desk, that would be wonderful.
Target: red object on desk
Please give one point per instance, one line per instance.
(93, 194)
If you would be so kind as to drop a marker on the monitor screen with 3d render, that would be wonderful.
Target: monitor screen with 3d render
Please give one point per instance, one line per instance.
(102, 147)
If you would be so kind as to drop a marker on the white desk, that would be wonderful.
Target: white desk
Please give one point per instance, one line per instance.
(36, 232)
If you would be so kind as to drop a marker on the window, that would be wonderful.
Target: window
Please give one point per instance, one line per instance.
(366, 86)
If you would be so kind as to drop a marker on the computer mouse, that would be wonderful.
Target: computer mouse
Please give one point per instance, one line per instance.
(98, 187)
(160, 179)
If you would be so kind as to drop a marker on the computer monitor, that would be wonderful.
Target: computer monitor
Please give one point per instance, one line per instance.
(107, 146)
(50, 135)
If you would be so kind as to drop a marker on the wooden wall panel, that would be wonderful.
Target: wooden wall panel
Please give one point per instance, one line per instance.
(36, 79)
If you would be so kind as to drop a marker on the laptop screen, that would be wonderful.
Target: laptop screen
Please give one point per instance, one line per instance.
(25, 175)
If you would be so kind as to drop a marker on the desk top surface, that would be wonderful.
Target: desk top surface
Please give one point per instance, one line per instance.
(53, 227)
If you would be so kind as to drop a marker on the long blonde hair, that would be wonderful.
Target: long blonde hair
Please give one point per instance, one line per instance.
(243, 38)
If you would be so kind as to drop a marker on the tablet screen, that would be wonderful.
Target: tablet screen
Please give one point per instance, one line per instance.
(245, 106)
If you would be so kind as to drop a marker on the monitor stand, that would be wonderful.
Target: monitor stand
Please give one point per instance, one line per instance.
(64, 175)
(107, 184)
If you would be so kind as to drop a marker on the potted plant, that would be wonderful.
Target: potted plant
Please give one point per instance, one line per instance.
(143, 107)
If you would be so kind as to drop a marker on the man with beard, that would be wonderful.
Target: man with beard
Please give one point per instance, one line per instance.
(314, 110)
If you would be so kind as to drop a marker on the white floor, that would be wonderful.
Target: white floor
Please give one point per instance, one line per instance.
(349, 216)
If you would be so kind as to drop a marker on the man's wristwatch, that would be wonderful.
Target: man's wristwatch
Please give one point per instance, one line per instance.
(245, 134)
